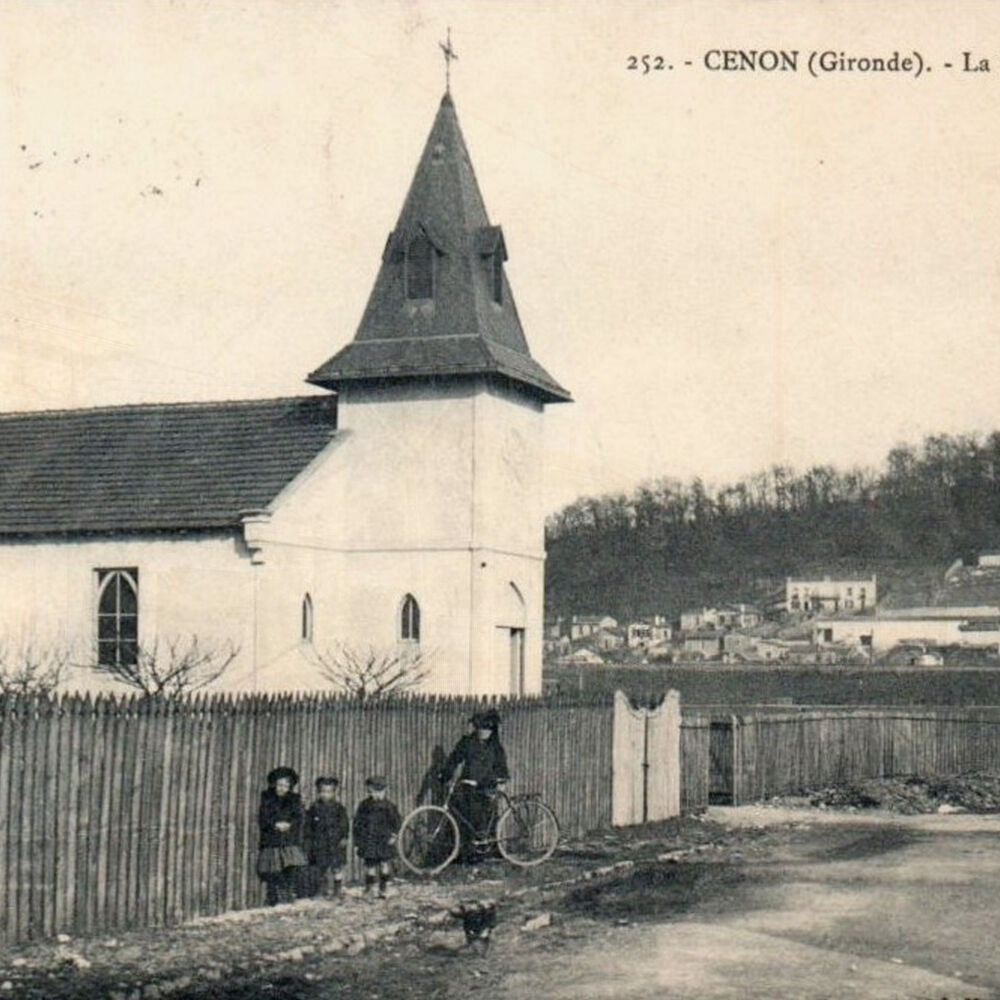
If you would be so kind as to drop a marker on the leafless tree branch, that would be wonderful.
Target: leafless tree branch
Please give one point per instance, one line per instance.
(172, 666)
(368, 672)
(28, 667)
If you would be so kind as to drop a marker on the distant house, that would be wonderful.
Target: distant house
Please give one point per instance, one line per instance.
(727, 616)
(557, 647)
(584, 626)
(583, 657)
(706, 643)
(738, 645)
(973, 626)
(738, 616)
(648, 632)
(608, 639)
(660, 652)
(831, 595)
(553, 627)
(699, 619)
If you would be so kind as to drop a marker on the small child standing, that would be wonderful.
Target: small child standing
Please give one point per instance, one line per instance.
(280, 820)
(327, 828)
(376, 824)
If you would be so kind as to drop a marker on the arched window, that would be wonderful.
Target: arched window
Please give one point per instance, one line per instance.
(420, 268)
(497, 276)
(307, 619)
(409, 620)
(117, 617)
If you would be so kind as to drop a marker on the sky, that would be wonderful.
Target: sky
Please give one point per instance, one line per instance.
(728, 270)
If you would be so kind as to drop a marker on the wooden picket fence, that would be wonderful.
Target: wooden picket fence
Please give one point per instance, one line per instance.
(750, 757)
(130, 812)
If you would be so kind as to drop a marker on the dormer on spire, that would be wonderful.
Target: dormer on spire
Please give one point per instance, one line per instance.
(441, 306)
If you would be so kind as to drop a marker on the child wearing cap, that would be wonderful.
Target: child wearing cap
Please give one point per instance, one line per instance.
(376, 823)
(280, 819)
(326, 830)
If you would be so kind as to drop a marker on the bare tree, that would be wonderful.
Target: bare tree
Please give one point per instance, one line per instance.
(368, 673)
(172, 667)
(30, 668)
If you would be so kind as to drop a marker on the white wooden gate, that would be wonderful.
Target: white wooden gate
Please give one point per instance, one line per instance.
(646, 761)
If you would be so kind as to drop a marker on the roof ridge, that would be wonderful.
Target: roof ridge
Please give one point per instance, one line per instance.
(173, 405)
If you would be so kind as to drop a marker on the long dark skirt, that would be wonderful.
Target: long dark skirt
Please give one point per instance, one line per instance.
(279, 868)
(476, 806)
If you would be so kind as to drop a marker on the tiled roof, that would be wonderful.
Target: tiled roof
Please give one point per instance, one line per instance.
(154, 467)
(461, 330)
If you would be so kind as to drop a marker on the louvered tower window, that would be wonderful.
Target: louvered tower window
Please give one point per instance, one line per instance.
(420, 268)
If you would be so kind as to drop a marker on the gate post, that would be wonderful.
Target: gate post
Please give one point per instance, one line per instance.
(627, 745)
(663, 759)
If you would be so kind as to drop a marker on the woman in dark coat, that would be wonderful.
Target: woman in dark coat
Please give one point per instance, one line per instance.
(483, 761)
(280, 819)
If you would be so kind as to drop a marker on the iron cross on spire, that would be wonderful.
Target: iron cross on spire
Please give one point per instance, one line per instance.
(449, 55)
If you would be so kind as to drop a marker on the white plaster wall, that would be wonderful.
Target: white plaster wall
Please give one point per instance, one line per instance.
(357, 598)
(509, 535)
(398, 475)
(508, 473)
(493, 574)
(433, 490)
(887, 633)
(188, 585)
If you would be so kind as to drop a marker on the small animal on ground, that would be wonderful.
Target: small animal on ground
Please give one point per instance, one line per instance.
(479, 918)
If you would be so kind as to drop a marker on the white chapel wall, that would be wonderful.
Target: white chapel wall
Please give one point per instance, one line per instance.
(188, 586)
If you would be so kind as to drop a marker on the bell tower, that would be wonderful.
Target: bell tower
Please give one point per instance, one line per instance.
(441, 404)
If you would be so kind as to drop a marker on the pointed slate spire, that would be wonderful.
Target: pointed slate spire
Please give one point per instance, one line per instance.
(441, 305)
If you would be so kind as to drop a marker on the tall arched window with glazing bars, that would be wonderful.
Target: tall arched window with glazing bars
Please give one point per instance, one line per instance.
(117, 617)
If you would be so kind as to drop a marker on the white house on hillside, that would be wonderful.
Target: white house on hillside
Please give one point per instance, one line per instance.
(399, 508)
(831, 594)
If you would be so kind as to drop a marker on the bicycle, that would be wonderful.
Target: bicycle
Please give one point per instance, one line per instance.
(522, 828)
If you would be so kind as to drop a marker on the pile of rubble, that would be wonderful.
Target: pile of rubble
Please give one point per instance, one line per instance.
(974, 792)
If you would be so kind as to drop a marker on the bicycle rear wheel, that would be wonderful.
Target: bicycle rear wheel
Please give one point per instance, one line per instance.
(428, 840)
(527, 832)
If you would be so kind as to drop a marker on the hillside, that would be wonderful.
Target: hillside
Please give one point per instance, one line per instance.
(668, 545)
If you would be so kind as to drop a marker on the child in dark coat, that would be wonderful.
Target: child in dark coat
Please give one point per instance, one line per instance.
(280, 819)
(376, 824)
(327, 828)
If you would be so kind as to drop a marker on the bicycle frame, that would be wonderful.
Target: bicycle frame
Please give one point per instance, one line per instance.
(500, 801)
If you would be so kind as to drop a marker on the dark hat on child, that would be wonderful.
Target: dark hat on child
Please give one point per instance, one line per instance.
(283, 772)
(329, 780)
(376, 781)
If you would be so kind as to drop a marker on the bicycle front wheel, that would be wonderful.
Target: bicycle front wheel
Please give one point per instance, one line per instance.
(428, 840)
(527, 832)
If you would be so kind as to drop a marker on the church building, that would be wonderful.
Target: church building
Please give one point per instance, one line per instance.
(399, 510)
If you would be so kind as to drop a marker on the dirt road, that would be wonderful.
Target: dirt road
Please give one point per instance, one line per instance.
(774, 902)
(833, 906)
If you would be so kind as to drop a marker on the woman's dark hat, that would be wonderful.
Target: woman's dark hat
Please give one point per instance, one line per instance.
(486, 720)
(327, 780)
(283, 772)
(376, 781)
